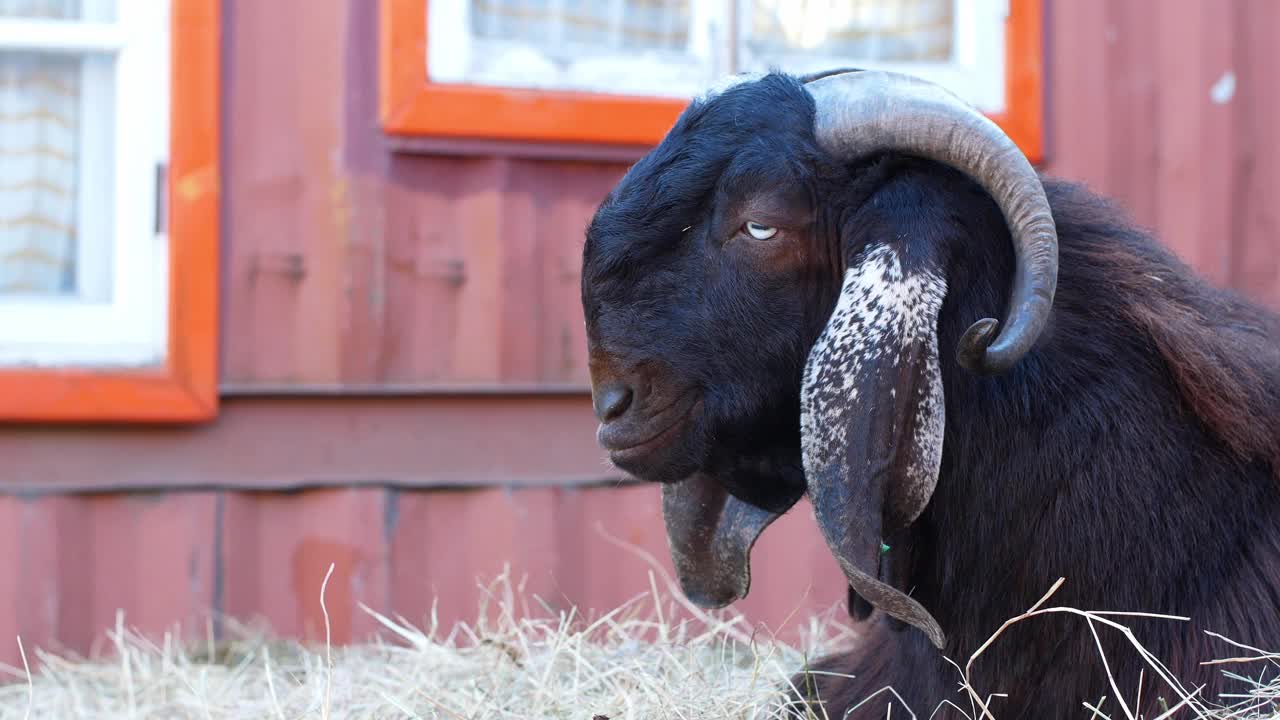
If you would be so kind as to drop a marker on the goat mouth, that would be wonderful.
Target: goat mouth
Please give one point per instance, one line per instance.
(623, 450)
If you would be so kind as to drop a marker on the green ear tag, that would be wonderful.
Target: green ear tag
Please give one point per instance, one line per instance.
(883, 548)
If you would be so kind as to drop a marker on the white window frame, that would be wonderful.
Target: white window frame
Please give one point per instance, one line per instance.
(129, 326)
(975, 73)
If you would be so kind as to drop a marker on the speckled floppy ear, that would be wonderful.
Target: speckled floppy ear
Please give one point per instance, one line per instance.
(872, 417)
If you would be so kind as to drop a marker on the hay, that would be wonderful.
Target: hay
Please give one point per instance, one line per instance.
(637, 662)
(630, 663)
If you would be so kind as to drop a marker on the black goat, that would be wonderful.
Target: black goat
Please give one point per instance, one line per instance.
(772, 295)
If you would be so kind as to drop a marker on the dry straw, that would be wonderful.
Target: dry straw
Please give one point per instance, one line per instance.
(654, 657)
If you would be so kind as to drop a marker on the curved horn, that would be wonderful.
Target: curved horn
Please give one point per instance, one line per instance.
(863, 112)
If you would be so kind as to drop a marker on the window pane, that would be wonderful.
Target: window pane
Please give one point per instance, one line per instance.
(620, 46)
(55, 181)
(870, 30)
(564, 29)
(95, 10)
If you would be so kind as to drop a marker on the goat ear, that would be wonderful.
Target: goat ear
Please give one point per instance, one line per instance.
(711, 533)
(872, 417)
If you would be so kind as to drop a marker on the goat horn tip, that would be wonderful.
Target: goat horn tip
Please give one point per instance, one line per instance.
(972, 351)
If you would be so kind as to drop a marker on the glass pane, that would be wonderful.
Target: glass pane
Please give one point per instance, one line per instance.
(95, 10)
(624, 46)
(55, 181)
(868, 30)
(564, 29)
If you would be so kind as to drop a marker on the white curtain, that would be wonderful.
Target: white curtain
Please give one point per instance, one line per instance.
(39, 159)
(881, 30)
(564, 29)
(626, 46)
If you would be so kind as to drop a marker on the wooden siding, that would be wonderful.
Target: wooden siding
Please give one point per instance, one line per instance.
(298, 442)
(350, 261)
(1172, 109)
(192, 556)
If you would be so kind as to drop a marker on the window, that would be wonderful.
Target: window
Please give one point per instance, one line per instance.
(955, 43)
(81, 131)
(621, 47)
(620, 71)
(102, 315)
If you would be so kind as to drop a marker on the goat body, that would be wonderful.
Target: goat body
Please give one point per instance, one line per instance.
(1134, 453)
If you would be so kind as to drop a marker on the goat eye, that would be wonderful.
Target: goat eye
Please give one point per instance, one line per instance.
(761, 232)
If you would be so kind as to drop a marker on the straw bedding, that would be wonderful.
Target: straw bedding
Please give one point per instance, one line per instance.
(653, 658)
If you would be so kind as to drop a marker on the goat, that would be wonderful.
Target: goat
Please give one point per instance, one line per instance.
(770, 294)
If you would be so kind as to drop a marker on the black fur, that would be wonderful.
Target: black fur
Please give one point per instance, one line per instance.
(1134, 451)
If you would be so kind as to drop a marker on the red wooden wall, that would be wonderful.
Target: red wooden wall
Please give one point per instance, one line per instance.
(402, 351)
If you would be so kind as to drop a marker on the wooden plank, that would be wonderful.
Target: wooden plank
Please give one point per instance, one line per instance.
(1078, 114)
(419, 441)
(599, 575)
(126, 545)
(478, 214)
(1131, 95)
(322, 215)
(424, 269)
(83, 559)
(522, 307)
(570, 202)
(1197, 145)
(362, 200)
(444, 269)
(29, 607)
(265, 189)
(1256, 267)
(277, 549)
(449, 548)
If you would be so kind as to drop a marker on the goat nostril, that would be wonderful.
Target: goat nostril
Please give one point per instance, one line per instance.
(612, 401)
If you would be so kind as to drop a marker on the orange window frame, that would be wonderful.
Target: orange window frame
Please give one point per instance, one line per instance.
(185, 387)
(411, 105)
